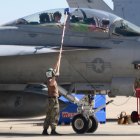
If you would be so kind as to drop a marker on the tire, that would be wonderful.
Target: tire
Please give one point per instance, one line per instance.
(93, 124)
(134, 116)
(80, 124)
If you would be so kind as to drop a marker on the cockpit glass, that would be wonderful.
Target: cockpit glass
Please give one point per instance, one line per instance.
(125, 28)
(86, 16)
(94, 20)
(79, 19)
(48, 16)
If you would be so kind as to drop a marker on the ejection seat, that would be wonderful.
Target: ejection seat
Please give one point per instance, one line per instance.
(44, 18)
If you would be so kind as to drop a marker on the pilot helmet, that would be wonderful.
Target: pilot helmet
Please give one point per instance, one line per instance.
(57, 13)
(50, 73)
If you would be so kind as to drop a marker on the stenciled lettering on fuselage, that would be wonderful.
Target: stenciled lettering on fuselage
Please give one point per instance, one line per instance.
(18, 101)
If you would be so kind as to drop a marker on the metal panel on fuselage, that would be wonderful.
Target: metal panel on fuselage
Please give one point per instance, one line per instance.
(31, 35)
(51, 35)
(76, 66)
(94, 65)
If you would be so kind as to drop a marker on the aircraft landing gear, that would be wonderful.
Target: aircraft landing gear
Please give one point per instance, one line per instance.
(93, 124)
(82, 124)
(84, 121)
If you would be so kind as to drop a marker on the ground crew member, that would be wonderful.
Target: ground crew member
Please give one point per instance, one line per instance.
(52, 113)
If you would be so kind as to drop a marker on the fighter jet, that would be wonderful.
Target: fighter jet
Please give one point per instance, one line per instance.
(100, 53)
(93, 38)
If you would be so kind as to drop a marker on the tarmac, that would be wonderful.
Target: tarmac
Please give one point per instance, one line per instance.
(18, 129)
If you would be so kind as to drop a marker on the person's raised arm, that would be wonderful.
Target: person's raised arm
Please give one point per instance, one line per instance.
(57, 65)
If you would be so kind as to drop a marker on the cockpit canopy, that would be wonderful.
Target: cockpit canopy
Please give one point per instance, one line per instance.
(100, 19)
(125, 28)
(76, 15)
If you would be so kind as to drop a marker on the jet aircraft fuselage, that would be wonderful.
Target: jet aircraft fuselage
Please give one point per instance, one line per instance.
(98, 48)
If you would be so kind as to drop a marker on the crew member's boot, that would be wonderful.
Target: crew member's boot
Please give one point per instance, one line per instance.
(45, 132)
(53, 132)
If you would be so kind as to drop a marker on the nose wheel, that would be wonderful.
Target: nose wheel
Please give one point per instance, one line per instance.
(93, 124)
(80, 124)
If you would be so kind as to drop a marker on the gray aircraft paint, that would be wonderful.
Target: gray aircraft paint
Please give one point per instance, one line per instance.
(104, 58)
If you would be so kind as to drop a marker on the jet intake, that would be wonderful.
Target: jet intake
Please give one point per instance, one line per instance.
(122, 86)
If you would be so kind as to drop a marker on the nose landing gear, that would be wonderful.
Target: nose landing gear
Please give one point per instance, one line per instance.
(82, 124)
(93, 124)
(84, 121)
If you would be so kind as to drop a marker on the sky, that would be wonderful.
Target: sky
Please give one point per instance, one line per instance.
(14, 9)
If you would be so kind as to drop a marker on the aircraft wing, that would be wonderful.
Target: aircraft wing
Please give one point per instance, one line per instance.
(93, 4)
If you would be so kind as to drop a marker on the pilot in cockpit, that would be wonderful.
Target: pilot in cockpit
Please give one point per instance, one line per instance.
(105, 23)
(90, 21)
(74, 19)
(57, 16)
(44, 18)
